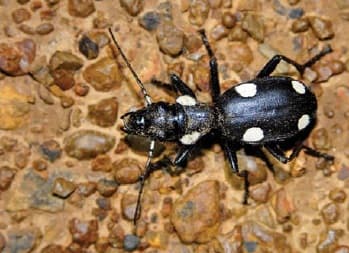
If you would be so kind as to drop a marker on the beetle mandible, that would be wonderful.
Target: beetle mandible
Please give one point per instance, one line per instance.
(268, 111)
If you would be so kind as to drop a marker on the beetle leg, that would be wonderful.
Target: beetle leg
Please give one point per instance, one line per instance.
(142, 178)
(176, 85)
(233, 161)
(279, 154)
(272, 64)
(214, 78)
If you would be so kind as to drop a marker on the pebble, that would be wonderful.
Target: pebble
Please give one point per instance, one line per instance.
(44, 28)
(67, 101)
(103, 75)
(322, 28)
(8, 143)
(265, 216)
(86, 189)
(101, 163)
(249, 5)
(62, 187)
(45, 95)
(22, 1)
(253, 24)
(330, 213)
(219, 32)
(84, 233)
(27, 29)
(300, 25)
(170, 38)
(39, 165)
(51, 150)
(20, 15)
(43, 76)
(64, 79)
(15, 59)
(158, 240)
(128, 206)
(104, 203)
(88, 48)
(64, 124)
(338, 195)
(293, 2)
(192, 42)
(127, 170)
(133, 7)
(260, 192)
(99, 37)
(22, 157)
(283, 205)
(191, 224)
(107, 187)
(52, 2)
(86, 144)
(140, 144)
(64, 60)
(228, 20)
(81, 89)
(104, 113)
(14, 109)
(7, 175)
(81, 8)
(53, 248)
(341, 249)
(198, 12)
(237, 34)
(102, 245)
(36, 5)
(268, 52)
(241, 53)
(131, 242)
(320, 139)
(327, 242)
(150, 20)
(22, 240)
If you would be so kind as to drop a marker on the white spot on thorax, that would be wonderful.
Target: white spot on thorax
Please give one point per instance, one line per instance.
(186, 100)
(253, 134)
(303, 121)
(298, 87)
(191, 138)
(246, 90)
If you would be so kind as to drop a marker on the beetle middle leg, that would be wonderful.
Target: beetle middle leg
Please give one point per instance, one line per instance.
(214, 78)
(233, 161)
(272, 64)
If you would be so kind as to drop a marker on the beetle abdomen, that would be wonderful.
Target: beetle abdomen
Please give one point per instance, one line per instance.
(267, 110)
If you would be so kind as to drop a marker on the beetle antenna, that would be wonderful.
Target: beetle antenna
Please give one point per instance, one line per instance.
(139, 82)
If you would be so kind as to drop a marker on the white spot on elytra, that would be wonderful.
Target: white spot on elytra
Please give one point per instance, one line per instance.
(253, 134)
(191, 138)
(298, 87)
(246, 90)
(186, 100)
(303, 121)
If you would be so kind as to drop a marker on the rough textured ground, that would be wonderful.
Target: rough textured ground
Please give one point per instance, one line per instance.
(68, 174)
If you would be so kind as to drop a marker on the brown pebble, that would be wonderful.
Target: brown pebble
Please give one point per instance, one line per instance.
(320, 139)
(133, 7)
(127, 171)
(81, 89)
(107, 187)
(27, 29)
(322, 28)
(228, 20)
(103, 75)
(8, 143)
(44, 28)
(198, 12)
(104, 113)
(170, 38)
(128, 206)
(65, 60)
(101, 163)
(62, 187)
(192, 42)
(86, 189)
(260, 192)
(63, 78)
(22, 1)
(2, 242)
(84, 233)
(253, 24)
(7, 175)
(67, 102)
(293, 2)
(52, 2)
(341, 249)
(237, 34)
(283, 205)
(337, 67)
(300, 25)
(20, 15)
(39, 165)
(35, 5)
(166, 208)
(81, 8)
(330, 213)
(219, 32)
(338, 195)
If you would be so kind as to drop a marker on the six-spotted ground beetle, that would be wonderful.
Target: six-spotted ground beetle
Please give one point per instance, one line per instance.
(268, 111)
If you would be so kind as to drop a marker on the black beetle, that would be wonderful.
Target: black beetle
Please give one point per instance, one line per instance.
(268, 111)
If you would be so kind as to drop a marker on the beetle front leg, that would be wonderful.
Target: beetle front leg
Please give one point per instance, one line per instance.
(233, 161)
(272, 64)
(176, 85)
(214, 78)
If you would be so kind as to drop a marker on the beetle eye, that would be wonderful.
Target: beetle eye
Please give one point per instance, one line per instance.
(140, 122)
